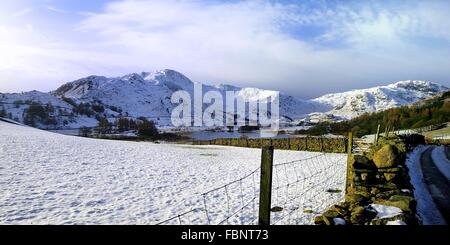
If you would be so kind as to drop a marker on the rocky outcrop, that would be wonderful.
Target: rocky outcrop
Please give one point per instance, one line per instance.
(378, 176)
(386, 157)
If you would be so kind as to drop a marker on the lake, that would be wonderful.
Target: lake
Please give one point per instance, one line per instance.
(211, 135)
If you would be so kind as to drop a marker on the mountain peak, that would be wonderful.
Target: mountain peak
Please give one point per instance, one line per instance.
(133, 77)
(420, 85)
(174, 80)
(356, 102)
(148, 94)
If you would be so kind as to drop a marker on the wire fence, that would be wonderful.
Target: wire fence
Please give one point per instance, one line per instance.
(300, 189)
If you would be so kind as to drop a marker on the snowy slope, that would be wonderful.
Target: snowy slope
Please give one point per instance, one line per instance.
(16, 104)
(161, 84)
(147, 94)
(134, 95)
(356, 102)
(48, 178)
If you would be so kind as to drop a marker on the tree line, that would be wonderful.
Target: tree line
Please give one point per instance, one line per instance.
(142, 126)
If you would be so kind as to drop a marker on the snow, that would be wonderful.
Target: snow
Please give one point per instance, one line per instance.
(384, 211)
(147, 94)
(339, 221)
(7, 102)
(48, 178)
(396, 222)
(441, 161)
(426, 209)
(356, 102)
(255, 94)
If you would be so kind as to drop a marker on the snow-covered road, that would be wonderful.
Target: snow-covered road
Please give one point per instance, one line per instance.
(427, 209)
(441, 161)
(48, 178)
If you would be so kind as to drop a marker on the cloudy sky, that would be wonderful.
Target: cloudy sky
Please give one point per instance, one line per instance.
(304, 48)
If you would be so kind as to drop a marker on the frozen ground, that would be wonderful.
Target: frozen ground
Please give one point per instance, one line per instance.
(48, 178)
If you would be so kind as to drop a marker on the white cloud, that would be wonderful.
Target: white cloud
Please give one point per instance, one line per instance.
(56, 9)
(22, 12)
(252, 43)
(247, 41)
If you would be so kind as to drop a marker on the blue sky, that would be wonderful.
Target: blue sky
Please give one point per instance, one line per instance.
(304, 48)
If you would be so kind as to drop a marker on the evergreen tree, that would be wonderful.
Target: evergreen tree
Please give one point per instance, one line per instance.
(85, 131)
(123, 124)
(2, 112)
(35, 113)
(104, 126)
(147, 129)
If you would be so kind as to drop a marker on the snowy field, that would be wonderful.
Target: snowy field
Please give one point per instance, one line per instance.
(48, 178)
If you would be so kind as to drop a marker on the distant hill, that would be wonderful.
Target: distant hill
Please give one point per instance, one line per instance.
(426, 112)
(357, 102)
(147, 94)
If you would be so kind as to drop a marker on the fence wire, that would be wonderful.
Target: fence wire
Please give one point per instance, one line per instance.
(299, 189)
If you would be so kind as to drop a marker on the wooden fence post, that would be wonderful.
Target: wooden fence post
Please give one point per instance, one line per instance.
(265, 193)
(378, 133)
(321, 144)
(349, 167)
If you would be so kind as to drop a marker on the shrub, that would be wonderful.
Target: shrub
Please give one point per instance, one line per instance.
(34, 113)
(70, 101)
(147, 129)
(248, 128)
(84, 131)
(123, 124)
(98, 108)
(116, 109)
(84, 109)
(49, 108)
(51, 121)
(18, 103)
(133, 125)
(103, 126)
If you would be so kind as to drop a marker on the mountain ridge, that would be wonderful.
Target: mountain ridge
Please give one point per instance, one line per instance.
(147, 94)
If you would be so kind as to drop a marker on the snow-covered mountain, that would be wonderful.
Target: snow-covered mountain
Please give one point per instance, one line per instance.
(148, 94)
(132, 95)
(356, 102)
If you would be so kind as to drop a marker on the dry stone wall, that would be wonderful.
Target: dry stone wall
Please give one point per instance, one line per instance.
(318, 144)
(378, 176)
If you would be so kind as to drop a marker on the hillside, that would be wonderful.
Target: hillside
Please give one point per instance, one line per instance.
(147, 94)
(357, 102)
(422, 113)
